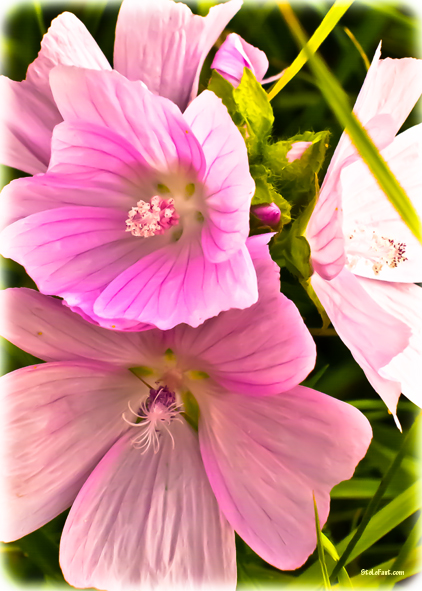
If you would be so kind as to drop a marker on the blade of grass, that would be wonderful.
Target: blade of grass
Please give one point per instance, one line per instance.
(327, 25)
(338, 102)
(40, 20)
(358, 47)
(343, 577)
(376, 499)
(320, 546)
(399, 509)
(403, 556)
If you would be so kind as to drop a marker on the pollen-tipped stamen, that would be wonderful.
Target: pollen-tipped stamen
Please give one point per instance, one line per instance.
(153, 218)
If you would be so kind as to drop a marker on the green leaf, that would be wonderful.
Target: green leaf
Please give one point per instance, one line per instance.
(224, 90)
(330, 20)
(252, 102)
(337, 100)
(343, 577)
(320, 547)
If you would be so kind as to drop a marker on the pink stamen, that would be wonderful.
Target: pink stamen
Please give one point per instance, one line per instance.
(150, 219)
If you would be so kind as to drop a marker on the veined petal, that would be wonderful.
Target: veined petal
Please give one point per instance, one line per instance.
(373, 336)
(229, 187)
(27, 119)
(46, 328)
(69, 43)
(404, 302)
(153, 125)
(149, 521)
(58, 421)
(176, 284)
(163, 44)
(73, 249)
(266, 457)
(372, 226)
(234, 55)
(30, 113)
(262, 350)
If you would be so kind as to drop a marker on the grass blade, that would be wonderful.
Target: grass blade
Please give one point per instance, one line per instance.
(320, 546)
(329, 22)
(338, 102)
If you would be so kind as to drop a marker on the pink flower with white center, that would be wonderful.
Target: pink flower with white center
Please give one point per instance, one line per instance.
(159, 42)
(143, 214)
(366, 259)
(155, 503)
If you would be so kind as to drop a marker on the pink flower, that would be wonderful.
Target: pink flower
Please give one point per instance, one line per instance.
(366, 259)
(143, 214)
(234, 55)
(154, 502)
(146, 31)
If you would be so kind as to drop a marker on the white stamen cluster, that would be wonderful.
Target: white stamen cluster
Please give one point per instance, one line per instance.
(150, 219)
(375, 250)
(154, 417)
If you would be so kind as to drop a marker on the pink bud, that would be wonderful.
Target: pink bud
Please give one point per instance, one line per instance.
(268, 214)
(296, 151)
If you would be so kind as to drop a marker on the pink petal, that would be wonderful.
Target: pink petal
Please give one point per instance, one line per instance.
(297, 150)
(148, 521)
(373, 336)
(58, 421)
(27, 120)
(390, 90)
(69, 43)
(153, 125)
(371, 219)
(266, 457)
(404, 302)
(30, 113)
(72, 249)
(46, 328)
(264, 349)
(163, 44)
(234, 55)
(229, 187)
(177, 284)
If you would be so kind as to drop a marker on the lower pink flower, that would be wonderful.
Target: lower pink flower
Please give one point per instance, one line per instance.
(155, 502)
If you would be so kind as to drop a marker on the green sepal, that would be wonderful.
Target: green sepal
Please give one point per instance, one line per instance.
(224, 90)
(191, 409)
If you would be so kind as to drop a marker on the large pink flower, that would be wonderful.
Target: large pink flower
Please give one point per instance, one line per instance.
(157, 41)
(143, 214)
(156, 501)
(366, 259)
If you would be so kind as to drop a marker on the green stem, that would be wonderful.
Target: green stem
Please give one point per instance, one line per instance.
(40, 20)
(376, 499)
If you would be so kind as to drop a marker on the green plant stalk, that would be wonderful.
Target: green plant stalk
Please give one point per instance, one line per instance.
(339, 104)
(40, 20)
(329, 22)
(375, 501)
(320, 546)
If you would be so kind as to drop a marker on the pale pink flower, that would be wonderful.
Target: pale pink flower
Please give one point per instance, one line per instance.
(154, 502)
(157, 41)
(143, 214)
(366, 259)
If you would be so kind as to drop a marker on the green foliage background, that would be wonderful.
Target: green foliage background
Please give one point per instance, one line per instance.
(392, 536)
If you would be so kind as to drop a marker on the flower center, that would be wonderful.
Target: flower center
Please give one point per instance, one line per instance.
(155, 414)
(150, 219)
(374, 250)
